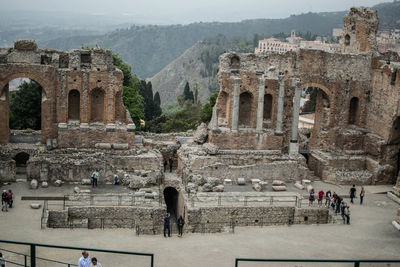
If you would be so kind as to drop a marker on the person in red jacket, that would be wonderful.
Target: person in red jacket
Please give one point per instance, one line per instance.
(320, 197)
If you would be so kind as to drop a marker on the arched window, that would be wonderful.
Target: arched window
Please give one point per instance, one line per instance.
(97, 105)
(235, 62)
(353, 112)
(347, 40)
(74, 105)
(245, 109)
(267, 107)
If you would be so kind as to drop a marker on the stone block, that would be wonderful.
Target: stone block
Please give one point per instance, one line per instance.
(279, 188)
(86, 181)
(103, 145)
(213, 181)
(62, 126)
(299, 186)
(211, 149)
(305, 182)
(201, 134)
(139, 194)
(218, 188)
(207, 187)
(120, 146)
(255, 181)
(35, 205)
(146, 190)
(45, 184)
(191, 187)
(257, 187)
(241, 181)
(77, 190)
(58, 183)
(85, 191)
(54, 143)
(131, 127)
(34, 184)
(149, 195)
(263, 184)
(84, 127)
(227, 182)
(278, 183)
(110, 127)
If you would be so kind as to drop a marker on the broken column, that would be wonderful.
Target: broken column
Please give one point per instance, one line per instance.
(235, 108)
(281, 95)
(294, 146)
(260, 108)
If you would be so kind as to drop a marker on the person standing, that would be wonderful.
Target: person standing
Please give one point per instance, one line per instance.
(2, 260)
(328, 196)
(352, 193)
(170, 164)
(84, 261)
(342, 211)
(10, 198)
(116, 180)
(347, 214)
(362, 193)
(95, 263)
(95, 177)
(311, 198)
(165, 165)
(181, 223)
(167, 220)
(320, 197)
(4, 201)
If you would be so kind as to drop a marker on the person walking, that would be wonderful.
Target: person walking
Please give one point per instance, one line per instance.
(311, 198)
(4, 201)
(10, 198)
(170, 161)
(328, 196)
(2, 260)
(181, 223)
(116, 180)
(362, 194)
(84, 261)
(165, 165)
(342, 211)
(167, 221)
(95, 177)
(347, 214)
(352, 193)
(321, 194)
(95, 263)
(337, 204)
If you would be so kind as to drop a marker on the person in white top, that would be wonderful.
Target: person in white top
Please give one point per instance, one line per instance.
(95, 263)
(84, 261)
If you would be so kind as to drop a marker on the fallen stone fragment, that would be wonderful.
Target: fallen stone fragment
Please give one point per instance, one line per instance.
(35, 206)
(34, 184)
(218, 188)
(279, 188)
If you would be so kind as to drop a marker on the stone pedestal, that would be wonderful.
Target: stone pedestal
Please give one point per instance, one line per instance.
(260, 108)
(235, 107)
(279, 114)
(294, 146)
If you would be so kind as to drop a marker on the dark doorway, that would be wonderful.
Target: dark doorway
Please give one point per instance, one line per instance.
(245, 109)
(21, 159)
(353, 113)
(74, 105)
(171, 196)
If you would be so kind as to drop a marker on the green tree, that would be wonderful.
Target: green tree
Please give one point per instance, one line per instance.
(157, 105)
(187, 93)
(206, 112)
(25, 106)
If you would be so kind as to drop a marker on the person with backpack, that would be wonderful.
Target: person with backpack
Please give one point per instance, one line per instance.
(4, 201)
(95, 177)
(181, 222)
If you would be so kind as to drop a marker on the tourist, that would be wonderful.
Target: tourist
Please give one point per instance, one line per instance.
(338, 201)
(84, 261)
(311, 198)
(342, 209)
(352, 193)
(362, 193)
(167, 220)
(116, 180)
(165, 165)
(170, 164)
(2, 260)
(95, 178)
(95, 263)
(181, 222)
(320, 197)
(347, 213)
(328, 196)
(4, 201)
(10, 198)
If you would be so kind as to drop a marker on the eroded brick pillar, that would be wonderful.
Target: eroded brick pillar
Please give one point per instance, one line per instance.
(4, 115)
(235, 108)
(294, 145)
(279, 114)
(260, 108)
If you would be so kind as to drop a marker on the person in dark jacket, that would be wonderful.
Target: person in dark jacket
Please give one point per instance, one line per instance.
(352, 193)
(167, 221)
(181, 223)
(4, 201)
(170, 164)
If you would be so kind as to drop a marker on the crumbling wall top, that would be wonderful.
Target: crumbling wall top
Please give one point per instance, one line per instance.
(25, 45)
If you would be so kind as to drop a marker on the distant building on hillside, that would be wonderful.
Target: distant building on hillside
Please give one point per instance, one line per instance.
(293, 39)
(274, 45)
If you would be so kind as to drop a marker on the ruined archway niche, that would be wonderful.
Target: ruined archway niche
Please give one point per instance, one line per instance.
(353, 111)
(268, 107)
(97, 105)
(74, 105)
(223, 105)
(347, 40)
(21, 159)
(235, 62)
(245, 104)
(171, 198)
(59, 73)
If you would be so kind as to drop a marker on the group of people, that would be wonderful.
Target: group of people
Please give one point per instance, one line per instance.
(86, 261)
(170, 162)
(167, 225)
(336, 202)
(7, 200)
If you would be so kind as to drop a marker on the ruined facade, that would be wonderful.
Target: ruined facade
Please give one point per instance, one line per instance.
(81, 96)
(356, 134)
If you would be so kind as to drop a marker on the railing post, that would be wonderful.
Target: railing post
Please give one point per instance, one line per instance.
(152, 260)
(25, 261)
(33, 255)
(236, 263)
(356, 264)
(64, 203)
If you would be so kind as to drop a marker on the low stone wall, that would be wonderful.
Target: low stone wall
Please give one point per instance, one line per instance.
(7, 170)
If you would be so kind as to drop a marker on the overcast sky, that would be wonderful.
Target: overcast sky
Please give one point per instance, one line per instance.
(186, 11)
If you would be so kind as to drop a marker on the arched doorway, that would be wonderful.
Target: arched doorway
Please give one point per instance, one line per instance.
(21, 160)
(267, 107)
(353, 111)
(245, 102)
(171, 197)
(74, 105)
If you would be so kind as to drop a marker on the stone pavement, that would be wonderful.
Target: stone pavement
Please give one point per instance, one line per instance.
(370, 235)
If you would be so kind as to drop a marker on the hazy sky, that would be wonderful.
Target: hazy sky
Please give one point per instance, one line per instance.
(185, 11)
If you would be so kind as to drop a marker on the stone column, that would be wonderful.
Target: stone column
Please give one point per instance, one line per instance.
(235, 107)
(214, 119)
(279, 114)
(4, 115)
(294, 146)
(260, 108)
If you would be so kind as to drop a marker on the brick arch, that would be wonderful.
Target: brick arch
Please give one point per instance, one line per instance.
(45, 85)
(319, 86)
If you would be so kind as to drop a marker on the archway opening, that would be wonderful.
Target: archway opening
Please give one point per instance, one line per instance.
(353, 111)
(223, 108)
(347, 40)
(245, 109)
(267, 107)
(97, 105)
(235, 62)
(21, 160)
(171, 197)
(74, 105)
(25, 104)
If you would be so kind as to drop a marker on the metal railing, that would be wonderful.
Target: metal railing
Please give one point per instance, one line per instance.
(110, 200)
(356, 262)
(32, 256)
